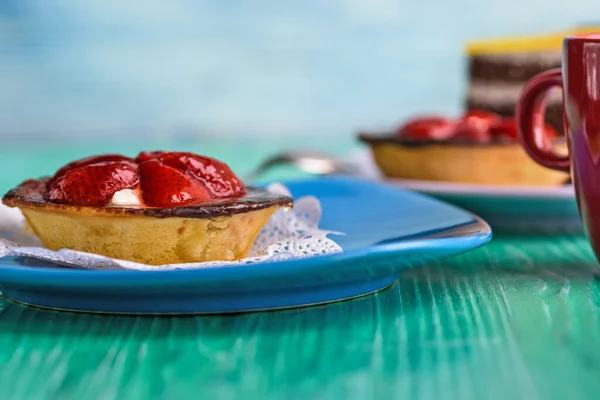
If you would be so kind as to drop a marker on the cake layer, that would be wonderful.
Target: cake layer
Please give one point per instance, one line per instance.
(500, 67)
(502, 94)
(519, 67)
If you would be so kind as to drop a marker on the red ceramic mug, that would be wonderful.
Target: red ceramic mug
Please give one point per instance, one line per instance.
(580, 81)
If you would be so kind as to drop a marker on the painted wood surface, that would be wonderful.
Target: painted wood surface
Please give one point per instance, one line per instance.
(517, 319)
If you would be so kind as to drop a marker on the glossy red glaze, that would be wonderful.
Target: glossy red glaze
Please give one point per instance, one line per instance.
(165, 186)
(478, 120)
(580, 80)
(218, 178)
(87, 161)
(474, 126)
(505, 129)
(508, 129)
(92, 184)
(428, 128)
(164, 179)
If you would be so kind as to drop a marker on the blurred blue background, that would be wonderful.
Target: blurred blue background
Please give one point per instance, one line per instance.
(185, 73)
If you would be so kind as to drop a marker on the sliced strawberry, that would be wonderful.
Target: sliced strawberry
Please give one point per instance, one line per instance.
(475, 125)
(89, 160)
(427, 128)
(507, 129)
(92, 184)
(145, 156)
(165, 186)
(216, 176)
(479, 120)
(165, 179)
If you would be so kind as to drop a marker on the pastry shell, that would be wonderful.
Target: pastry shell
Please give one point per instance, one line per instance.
(222, 230)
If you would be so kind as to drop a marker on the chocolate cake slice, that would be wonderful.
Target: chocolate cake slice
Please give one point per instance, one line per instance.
(499, 68)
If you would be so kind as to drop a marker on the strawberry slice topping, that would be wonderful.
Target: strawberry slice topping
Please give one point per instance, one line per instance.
(478, 120)
(506, 129)
(92, 184)
(165, 186)
(164, 179)
(90, 160)
(475, 126)
(428, 128)
(145, 156)
(215, 175)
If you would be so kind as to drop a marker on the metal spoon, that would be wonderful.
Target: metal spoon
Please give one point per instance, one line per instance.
(309, 161)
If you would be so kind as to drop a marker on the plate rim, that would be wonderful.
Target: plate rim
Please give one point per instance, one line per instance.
(454, 239)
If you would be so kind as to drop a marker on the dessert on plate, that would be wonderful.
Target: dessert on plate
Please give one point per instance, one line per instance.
(157, 208)
(498, 69)
(479, 148)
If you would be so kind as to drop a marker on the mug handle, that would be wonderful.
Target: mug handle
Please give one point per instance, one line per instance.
(530, 120)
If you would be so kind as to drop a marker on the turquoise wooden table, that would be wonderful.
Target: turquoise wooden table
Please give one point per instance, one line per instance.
(516, 319)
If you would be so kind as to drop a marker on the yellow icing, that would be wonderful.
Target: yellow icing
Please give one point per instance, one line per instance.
(525, 44)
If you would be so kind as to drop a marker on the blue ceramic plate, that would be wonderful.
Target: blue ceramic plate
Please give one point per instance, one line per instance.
(508, 208)
(386, 231)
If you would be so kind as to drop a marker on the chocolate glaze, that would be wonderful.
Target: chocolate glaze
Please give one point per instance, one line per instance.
(373, 138)
(30, 194)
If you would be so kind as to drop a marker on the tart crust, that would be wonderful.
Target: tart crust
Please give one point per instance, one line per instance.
(220, 230)
(490, 163)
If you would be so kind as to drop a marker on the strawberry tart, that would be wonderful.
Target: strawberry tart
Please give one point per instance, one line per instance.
(157, 208)
(479, 147)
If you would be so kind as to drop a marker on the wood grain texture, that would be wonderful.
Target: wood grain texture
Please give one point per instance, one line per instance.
(517, 319)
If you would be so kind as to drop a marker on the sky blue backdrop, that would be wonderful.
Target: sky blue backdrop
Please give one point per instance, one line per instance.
(246, 67)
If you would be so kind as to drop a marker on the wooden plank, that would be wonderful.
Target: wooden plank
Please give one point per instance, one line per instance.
(516, 319)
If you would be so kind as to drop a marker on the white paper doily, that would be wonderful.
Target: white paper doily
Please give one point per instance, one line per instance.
(288, 234)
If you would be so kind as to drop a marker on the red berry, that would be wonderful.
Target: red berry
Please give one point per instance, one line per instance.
(479, 120)
(475, 125)
(89, 160)
(216, 176)
(165, 186)
(506, 129)
(166, 179)
(427, 128)
(92, 184)
(145, 156)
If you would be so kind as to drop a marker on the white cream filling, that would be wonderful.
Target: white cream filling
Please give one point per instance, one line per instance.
(125, 197)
